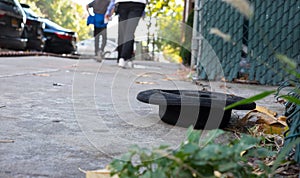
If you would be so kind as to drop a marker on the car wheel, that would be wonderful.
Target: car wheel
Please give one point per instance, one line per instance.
(42, 41)
(25, 36)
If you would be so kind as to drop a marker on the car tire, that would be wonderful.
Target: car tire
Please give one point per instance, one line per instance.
(25, 36)
(43, 41)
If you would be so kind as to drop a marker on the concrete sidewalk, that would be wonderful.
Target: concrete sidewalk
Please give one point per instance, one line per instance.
(58, 115)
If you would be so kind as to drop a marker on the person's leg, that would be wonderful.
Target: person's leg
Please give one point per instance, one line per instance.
(96, 36)
(103, 33)
(134, 15)
(123, 16)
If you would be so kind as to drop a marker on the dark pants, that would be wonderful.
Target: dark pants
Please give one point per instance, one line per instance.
(129, 16)
(97, 33)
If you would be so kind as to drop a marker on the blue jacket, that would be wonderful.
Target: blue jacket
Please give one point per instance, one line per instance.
(97, 20)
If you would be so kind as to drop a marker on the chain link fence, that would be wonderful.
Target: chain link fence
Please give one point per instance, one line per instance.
(292, 112)
(250, 54)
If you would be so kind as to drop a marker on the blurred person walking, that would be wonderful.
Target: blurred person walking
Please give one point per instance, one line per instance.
(130, 12)
(98, 20)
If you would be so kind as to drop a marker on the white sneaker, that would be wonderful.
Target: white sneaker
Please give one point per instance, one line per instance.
(121, 63)
(130, 64)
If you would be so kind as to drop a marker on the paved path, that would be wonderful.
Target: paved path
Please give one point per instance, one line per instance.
(63, 114)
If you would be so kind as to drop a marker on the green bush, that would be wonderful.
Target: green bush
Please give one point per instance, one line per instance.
(195, 158)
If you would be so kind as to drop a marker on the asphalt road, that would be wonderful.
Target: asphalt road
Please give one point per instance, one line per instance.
(58, 115)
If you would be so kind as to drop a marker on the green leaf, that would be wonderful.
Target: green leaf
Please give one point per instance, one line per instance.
(228, 166)
(117, 165)
(127, 156)
(144, 157)
(190, 130)
(159, 174)
(291, 99)
(210, 137)
(210, 152)
(294, 72)
(135, 149)
(200, 163)
(193, 136)
(249, 140)
(284, 59)
(163, 147)
(190, 148)
(251, 99)
(260, 153)
(147, 174)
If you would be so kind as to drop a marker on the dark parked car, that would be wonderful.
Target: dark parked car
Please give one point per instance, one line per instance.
(12, 21)
(34, 30)
(59, 39)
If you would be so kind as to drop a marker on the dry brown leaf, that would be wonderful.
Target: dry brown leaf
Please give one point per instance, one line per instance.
(280, 170)
(266, 121)
(145, 83)
(266, 111)
(258, 171)
(169, 79)
(102, 173)
(144, 75)
(282, 118)
(224, 86)
(7, 141)
(246, 118)
(223, 79)
(42, 75)
(270, 129)
(243, 6)
(217, 32)
(264, 115)
(217, 174)
(271, 163)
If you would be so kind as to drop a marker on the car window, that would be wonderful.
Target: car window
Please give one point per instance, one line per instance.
(8, 1)
(52, 25)
(14, 3)
(30, 13)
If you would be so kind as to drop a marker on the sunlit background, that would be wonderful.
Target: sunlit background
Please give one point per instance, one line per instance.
(165, 35)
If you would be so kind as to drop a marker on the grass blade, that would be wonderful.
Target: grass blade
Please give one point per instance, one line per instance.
(291, 99)
(251, 99)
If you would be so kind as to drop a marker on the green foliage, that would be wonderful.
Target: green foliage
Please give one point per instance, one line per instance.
(291, 99)
(73, 16)
(168, 16)
(163, 8)
(194, 158)
(63, 12)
